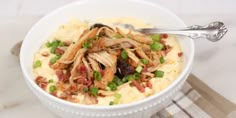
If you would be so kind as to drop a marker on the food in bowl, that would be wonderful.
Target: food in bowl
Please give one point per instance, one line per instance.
(106, 64)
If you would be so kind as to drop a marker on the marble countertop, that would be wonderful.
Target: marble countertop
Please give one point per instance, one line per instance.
(214, 62)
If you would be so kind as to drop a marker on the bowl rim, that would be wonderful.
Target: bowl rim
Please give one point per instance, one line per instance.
(114, 107)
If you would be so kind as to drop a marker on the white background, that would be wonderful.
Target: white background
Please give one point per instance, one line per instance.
(215, 63)
(40, 7)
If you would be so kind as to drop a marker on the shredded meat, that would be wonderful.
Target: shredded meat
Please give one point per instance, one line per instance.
(74, 48)
(103, 58)
(88, 99)
(123, 68)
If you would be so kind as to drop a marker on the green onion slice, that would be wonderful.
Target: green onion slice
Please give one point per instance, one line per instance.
(97, 75)
(87, 45)
(159, 73)
(124, 54)
(52, 88)
(37, 64)
(155, 46)
(112, 86)
(144, 61)
(117, 36)
(162, 60)
(50, 81)
(156, 37)
(139, 69)
(94, 91)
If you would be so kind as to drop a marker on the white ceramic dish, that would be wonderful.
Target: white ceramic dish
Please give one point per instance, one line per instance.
(93, 9)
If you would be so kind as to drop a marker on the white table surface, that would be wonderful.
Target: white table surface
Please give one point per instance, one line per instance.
(215, 63)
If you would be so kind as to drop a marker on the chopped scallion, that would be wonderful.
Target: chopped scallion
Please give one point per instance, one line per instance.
(144, 61)
(116, 101)
(48, 44)
(61, 44)
(54, 59)
(97, 75)
(112, 86)
(108, 88)
(50, 81)
(85, 90)
(86, 45)
(117, 95)
(124, 54)
(94, 91)
(139, 69)
(117, 80)
(52, 88)
(136, 76)
(162, 60)
(130, 77)
(111, 103)
(117, 36)
(58, 56)
(54, 45)
(37, 64)
(155, 46)
(129, 37)
(159, 73)
(156, 37)
(125, 79)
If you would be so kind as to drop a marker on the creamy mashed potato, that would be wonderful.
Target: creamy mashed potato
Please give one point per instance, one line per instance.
(71, 31)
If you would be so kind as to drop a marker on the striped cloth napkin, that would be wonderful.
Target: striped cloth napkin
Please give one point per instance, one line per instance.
(197, 100)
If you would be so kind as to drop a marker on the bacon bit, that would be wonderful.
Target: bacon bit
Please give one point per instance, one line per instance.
(145, 69)
(68, 74)
(102, 72)
(101, 95)
(50, 64)
(61, 76)
(168, 48)
(45, 54)
(180, 54)
(164, 36)
(81, 80)
(89, 83)
(60, 85)
(81, 69)
(144, 78)
(43, 85)
(81, 88)
(67, 43)
(118, 52)
(59, 51)
(63, 96)
(73, 99)
(162, 41)
(72, 90)
(54, 94)
(39, 80)
(149, 84)
(138, 86)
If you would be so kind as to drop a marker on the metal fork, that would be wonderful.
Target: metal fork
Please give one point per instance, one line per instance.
(213, 31)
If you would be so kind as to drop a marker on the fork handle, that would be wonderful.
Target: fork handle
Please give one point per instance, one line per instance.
(213, 31)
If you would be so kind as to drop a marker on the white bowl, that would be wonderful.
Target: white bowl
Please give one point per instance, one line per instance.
(93, 9)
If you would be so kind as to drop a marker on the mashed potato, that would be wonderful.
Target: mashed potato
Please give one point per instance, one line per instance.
(51, 80)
